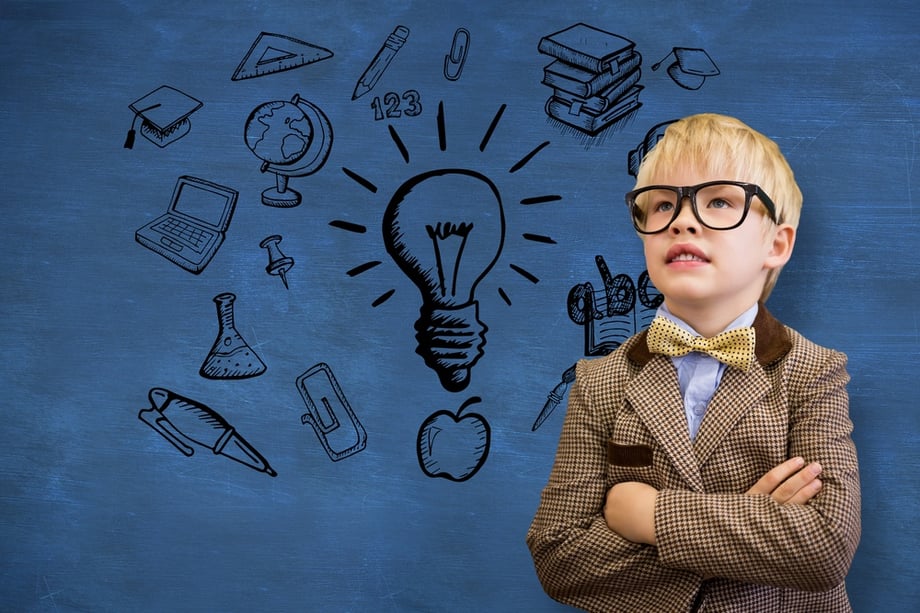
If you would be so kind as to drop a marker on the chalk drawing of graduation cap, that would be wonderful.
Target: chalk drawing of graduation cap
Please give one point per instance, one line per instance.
(690, 67)
(165, 116)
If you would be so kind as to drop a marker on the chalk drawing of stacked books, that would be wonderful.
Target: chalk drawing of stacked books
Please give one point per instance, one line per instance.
(594, 76)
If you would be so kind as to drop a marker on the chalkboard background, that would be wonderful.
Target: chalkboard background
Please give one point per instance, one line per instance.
(102, 513)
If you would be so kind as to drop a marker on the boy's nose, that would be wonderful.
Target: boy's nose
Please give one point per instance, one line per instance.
(685, 221)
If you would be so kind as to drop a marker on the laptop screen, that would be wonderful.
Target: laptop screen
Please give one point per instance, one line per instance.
(206, 202)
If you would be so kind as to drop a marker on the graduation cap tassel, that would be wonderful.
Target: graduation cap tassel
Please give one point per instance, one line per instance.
(129, 138)
(132, 133)
(658, 64)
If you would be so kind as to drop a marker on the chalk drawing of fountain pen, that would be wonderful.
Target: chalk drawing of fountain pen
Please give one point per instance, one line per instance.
(555, 397)
(181, 421)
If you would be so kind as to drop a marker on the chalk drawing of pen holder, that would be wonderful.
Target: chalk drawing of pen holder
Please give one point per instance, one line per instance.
(334, 422)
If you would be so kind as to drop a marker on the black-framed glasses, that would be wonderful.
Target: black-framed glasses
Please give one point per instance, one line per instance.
(718, 205)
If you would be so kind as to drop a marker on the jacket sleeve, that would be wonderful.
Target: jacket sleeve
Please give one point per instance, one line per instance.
(578, 559)
(756, 540)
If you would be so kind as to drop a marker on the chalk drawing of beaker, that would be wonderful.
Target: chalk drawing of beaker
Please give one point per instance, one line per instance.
(231, 357)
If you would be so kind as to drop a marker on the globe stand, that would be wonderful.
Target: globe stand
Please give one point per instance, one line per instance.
(280, 196)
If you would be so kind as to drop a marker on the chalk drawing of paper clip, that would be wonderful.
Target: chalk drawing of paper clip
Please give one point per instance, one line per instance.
(328, 412)
(453, 61)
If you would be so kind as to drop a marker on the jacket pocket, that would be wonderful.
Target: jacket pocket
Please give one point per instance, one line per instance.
(632, 456)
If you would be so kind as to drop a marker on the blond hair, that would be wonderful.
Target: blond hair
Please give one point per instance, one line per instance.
(731, 149)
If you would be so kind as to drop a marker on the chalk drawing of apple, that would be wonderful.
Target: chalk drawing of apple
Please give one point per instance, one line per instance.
(454, 446)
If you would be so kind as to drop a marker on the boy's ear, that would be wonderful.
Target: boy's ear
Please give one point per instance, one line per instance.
(781, 247)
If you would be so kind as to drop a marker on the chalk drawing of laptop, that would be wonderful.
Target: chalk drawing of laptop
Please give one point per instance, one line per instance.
(194, 225)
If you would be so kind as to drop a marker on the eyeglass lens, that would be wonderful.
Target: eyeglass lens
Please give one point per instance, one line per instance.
(719, 206)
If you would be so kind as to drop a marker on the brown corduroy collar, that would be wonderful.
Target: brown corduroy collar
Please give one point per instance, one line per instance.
(772, 340)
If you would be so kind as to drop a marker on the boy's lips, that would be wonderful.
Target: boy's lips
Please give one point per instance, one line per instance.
(685, 253)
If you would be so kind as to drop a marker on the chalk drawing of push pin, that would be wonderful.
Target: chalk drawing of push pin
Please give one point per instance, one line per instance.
(278, 263)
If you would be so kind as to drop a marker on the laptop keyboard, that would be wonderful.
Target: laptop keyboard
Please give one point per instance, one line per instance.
(186, 232)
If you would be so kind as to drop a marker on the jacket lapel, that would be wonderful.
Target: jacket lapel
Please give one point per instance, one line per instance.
(735, 396)
(739, 391)
(655, 396)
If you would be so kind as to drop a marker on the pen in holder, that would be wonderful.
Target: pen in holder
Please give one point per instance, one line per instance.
(333, 420)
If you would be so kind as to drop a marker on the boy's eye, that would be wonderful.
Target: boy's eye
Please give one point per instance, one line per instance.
(720, 203)
(663, 206)
(721, 197)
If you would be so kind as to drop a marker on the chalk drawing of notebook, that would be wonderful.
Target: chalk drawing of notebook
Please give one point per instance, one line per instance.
(194, 225)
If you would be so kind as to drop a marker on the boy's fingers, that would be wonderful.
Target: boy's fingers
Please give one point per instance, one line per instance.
(777, 476)
(806, 493)
(801, 481)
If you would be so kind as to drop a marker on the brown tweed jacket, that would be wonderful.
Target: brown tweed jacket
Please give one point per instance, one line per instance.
(718, 549)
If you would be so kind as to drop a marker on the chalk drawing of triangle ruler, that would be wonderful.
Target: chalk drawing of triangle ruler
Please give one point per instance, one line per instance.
(272, 53)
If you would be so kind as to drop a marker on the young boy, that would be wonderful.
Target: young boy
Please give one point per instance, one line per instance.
(687, 482)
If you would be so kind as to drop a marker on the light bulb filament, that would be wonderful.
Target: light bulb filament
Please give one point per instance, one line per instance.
(448, 252)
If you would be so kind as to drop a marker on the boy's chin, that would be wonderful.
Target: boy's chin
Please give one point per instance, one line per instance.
(684, 290)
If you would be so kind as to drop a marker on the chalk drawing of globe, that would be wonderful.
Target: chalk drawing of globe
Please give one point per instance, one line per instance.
(278, 132)
(293, 139)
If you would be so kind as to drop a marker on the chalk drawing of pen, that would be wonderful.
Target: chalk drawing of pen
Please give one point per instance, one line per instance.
(554, 398)
(180, 421)
(375, 70)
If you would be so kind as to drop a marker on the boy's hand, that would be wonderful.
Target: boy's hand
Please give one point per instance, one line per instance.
(630, 511)
(791, 482)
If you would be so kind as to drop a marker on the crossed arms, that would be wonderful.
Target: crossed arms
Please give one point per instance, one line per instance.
(629, 509)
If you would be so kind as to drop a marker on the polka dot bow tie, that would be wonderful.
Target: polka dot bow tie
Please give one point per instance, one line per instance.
(734, 347)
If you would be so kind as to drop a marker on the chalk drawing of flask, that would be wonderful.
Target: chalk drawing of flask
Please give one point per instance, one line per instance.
(231, 357)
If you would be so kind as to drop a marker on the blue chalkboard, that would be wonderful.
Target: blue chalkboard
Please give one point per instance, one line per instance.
(292, 290)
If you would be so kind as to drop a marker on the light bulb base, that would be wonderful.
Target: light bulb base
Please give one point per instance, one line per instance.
(450, 339)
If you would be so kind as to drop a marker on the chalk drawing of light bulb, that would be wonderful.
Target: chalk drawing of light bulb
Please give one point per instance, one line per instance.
(445, 230)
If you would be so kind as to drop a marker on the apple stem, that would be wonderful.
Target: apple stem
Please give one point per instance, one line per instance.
(472, 400)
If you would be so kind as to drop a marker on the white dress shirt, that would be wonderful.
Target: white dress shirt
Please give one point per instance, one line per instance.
(698, 373)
